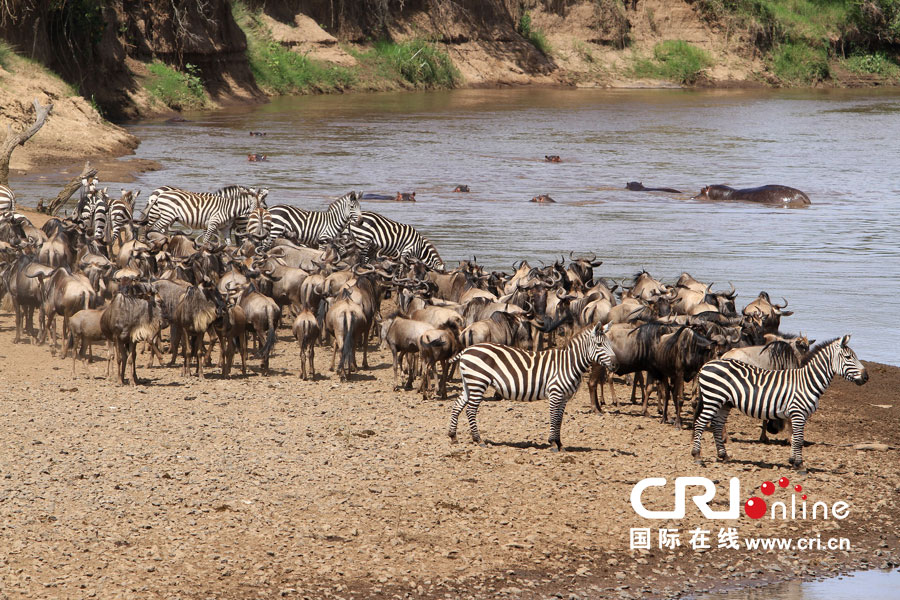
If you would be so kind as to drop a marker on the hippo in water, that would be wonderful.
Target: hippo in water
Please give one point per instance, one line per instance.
(377, 197)
(404, 197)
(258, 133)
(637, 186)
(257, 157)
(766, 194)
(543, 199)
(552, 158)
(461, 188)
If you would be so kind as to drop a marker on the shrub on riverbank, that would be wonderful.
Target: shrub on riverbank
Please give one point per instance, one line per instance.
(176, 89)
(535, 36)
(676, 60)
(877, 63)
(417, 62)
(800, 63)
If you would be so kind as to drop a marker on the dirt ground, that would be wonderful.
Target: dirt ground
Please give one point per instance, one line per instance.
(275, 487)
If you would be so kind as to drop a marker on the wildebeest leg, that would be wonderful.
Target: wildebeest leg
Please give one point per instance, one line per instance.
(677, 399)
(762, 433)
(444, 368)
(242, 341)
(132, 349)
(311, 351)
(121, 360)
(174, 340)
(198, 352)
(594, 378)
(412, 361)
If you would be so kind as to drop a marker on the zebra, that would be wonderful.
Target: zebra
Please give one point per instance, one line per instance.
(376, 233)
(222, 209)
(121, 214)
(259, 223)
(524, 375)
(765, 394)
(93, 208)
(314, 227)
(7, 199)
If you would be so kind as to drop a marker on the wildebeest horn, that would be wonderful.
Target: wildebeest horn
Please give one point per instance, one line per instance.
(731, 293)
(780, 306)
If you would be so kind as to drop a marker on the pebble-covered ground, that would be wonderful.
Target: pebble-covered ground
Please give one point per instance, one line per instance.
(264, 487)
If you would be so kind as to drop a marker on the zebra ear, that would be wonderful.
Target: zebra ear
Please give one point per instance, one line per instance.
(845, 340)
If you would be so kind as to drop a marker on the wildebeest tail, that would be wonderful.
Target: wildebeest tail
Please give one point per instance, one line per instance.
(347, 348)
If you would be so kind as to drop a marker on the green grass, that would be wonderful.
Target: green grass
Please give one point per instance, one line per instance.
(877, 63)
(176, 89)
(800, 63)
(533, 35)
(675, 60)
(5, 54)
(418, 62)
(279, 70)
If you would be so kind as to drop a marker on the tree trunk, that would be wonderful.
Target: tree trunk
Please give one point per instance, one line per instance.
(73, 186)
(14, 139)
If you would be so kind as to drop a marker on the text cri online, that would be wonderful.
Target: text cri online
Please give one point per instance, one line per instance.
(643, 538)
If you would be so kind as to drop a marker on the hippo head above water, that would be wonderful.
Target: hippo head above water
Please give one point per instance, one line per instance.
(552, 158)
(634, 186)
(461, 188)
(404, 197)
(543, 199)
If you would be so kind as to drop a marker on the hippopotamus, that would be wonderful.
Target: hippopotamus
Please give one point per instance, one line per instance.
(257, 157)
(551, 158)
(461, 188)
(543, 199)
(404, 197)
(258, 133)
(377, 197)
(637, 186)
(766, 194)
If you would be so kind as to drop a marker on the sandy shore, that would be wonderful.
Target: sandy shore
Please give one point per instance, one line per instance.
(272, 486)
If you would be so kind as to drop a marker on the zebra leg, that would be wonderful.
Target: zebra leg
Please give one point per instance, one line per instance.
(718, 427)
(557, 408)
(457, 408)
(798, 422)
(705, 413)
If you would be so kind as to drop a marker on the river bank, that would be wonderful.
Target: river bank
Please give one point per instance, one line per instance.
(266, 486)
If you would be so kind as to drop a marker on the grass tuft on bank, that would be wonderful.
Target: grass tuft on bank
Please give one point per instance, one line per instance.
(537, 38)
(176, 89)
(675, 60)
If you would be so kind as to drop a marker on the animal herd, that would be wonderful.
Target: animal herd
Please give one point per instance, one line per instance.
(531, 332)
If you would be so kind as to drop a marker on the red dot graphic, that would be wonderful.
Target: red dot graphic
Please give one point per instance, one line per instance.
(783, 482)
(803, 497)
(755, 507)
(798, 488)
(768, 488)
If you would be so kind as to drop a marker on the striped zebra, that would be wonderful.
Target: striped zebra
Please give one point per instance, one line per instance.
(259, 223)
(121, 214)
(314, 227)
(92, 209)
(764, 394)
(524, 375)
(222, 209)
(7, 199)
(376, 233)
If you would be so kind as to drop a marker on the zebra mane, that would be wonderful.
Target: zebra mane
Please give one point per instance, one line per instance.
(782, 354)
(232, 189)
(816, 350)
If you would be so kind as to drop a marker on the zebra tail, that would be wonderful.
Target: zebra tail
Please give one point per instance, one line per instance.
(455, 358)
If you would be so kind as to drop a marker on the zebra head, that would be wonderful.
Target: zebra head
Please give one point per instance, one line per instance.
(348, 208)
(601, 351)
(260, 196)
(847, 364)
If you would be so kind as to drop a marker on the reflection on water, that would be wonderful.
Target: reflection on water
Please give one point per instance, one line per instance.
(868, 585)
(836, 261)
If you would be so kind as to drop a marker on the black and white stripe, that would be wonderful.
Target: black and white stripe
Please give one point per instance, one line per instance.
(210, 212)
(313, 227)
(763, 394)
(121, 214)
(259, 224)
(92, 210)
(523, 375)
(7, 199)
(377, 234)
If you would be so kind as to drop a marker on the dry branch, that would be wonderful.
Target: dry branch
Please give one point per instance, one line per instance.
(73, 186)
(14, 139)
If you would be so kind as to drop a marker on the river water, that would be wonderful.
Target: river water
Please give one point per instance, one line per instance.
(836, 261)
(871, 585)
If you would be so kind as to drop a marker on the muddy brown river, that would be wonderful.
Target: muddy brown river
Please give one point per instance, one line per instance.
(836, 261)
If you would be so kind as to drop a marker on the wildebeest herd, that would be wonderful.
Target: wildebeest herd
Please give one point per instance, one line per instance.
(128, 280)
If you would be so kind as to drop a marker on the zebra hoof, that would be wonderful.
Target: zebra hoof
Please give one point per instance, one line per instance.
(481, 443)
(723, 458)
(453, 439)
